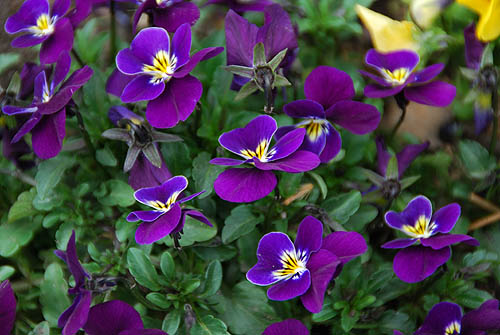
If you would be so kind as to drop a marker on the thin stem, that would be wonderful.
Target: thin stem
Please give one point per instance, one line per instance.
(323, 216)
(86, 136)
(77, 57)
(494, 133)
(19, 175)
(112, 29)
(402, 103)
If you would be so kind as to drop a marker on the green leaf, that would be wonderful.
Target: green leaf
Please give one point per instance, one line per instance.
(16, 234)
(408, 181)
(241, 221)
(242, 71)
(204, 173)
(171, 322)
(477, 161)
(373, 177)
(167, 265)
(194, 231)
(348, 319)
(53, 294)
(158, 299)
(276, 61)
(222, 253)
(365, 214)
(42, 328)
(392, 169)
(342, 207)
(50, 173)
(213, 279)
(246, 90)
(7, 60)
(142, 269)
(23, 206)
(208, 325)
(321, 183)
(120, 194)
(5, 272)
(280, 81)
(105, 157)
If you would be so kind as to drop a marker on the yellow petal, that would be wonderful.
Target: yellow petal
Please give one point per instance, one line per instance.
(488, 28)
(387, 34)
(423, 12)
(479, 6)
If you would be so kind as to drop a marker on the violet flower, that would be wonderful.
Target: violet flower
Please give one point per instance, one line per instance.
(42, 25)
(116, 317)
(287, 327)
(155, 70)
(395, 74)
(414, 263)
(47, 122)
(75, 316)
(7, 308)
(446, 318)
(241, 6)
(253, 144)
(329, 93)
(144, 174)
(168, 14)
(306, 267)
(167, 217)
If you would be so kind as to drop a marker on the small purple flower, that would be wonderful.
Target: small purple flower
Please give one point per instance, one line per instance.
(241, 6)
(395, 74)
(287, 327)
(168, 14)
(414, 263)
(155, 70)
(7, 308)
(306, 267)
(167, 216)
(329, 94)
(75, 316)
(47, 123)
(116, 317)
(446, 318)
(253, 143)
(42, 25)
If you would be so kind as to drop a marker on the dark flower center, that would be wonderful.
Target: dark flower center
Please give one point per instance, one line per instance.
(391, 188)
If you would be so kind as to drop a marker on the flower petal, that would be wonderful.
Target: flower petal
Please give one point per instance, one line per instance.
(61, 40)
(345, 245)
(439, 318)
(142, 88)
(150, 232)
(181, 44)
(328, 85)
(444, 240)
(60, 7)
(112, 317)
(288, 144)
(147, 216)
(408, 155)
(404, 59)
(48, 135)
(200, 56)
(7, 307)
(117, 82)
(128, 63)
(287, 327)
(27, 127)
(474, 48)
(162, 193)
(171, 18)
(377, 91)
(416, 263)
(144, 174)
(309, 235)
(226, 161)
(427, 74)
(417, 207)
(28, 40)
(304, 109)
(290, 288)
(299, 161)
(357, 117)
(484, 318)
(436, 93)
(148, 42)
(333, 145)
(400, 243)
(241, 37)
(26, 16)
(446, 217)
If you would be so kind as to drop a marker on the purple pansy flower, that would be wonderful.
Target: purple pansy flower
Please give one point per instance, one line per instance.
(241, 6)
(167, 216)
(287, 327)
(116, 317)
(446, 318)
(168, 14)
(276, 34)
(414, 263)
(306, 267)
(42, 25)
(73, 318)
(395, 74)
(47, 123)
(7, 308)
(253, 143)
(157, 70)
(329, 94)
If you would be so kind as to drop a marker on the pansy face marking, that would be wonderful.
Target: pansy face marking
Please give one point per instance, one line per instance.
(163, 67)
(161, 206)
(423, 228)
(452, 329)
(294, 264)
(314, 128)
(261, 152)
(396, 77)
(44, 25)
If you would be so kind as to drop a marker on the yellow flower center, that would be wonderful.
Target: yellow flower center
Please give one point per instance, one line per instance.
(163, 67)
(44, 26)
(293, 264)
(452, 329)
(164, 207)
(314, 128)
(261, 152)
(423, 228)
(396, 77)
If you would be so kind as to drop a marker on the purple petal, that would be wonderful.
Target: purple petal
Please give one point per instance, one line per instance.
(399, 243)
(446, 217)
(427, 74)
(112, 317)
(436, 93)
(176, 103)
(484, 318)
(60, 7)
(299, 161)
(416, 263)
(290, 288)
(144, 174)
(417, 207)
(328, 85)
(142, 332)
(249, 138)
(75, 317)
(82, 10)
(28, 74)
(391, 61)
(408, 155)
(148, 42)
(473, 47)
(271, 247)
(27, 127)
(26, 16)
(379, 80)
(442, 241)
(7, 307)
(288, 144)
(117, 113)
(241, 37)
(181, 44)
(162, 193)
(128, 63)
(357, 117)
(61, 40)
(345, 245)
(287, 327)
(226, 161)
(73, 263)
(304, 109)
(383, 156)
(190, 197)
(171, 18)
(482, 117)
(309, 235)
(147, 216)
(198, 216)
(48, 135)
(13, 110)
(377, 91)
(62, 68)
(322, 266)
(244, 185)
(142, 88)
(439, 318)
(28, 40)
(150, 232)
(117, 82)
(201, 55)
(333, 145)
(143, 6)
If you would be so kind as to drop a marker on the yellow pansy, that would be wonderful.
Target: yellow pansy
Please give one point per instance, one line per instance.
(488, 27)
(387, 34)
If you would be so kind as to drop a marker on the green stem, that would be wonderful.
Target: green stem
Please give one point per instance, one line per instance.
(86, 136)
(77, 57)
(494, 133)
(402, 103)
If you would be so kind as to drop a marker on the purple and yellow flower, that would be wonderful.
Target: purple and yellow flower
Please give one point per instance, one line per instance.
(329, 93)
(167, 216)
(253, 144)
(7, 308)
(241, 6)
(116, 317)
(428, 245)
(287, 327)
(157, 70)
(395, 74)
(446, 318)
(306, 267)
(75, 316)
(42, 25)
(47, 122)
(168, 14)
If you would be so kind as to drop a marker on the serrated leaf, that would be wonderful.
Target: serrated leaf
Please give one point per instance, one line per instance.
(142, 269)
(241, 221)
